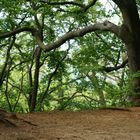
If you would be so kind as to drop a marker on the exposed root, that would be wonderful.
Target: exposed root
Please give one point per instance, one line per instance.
(6, 119)
(115, 108)
(6, 122)
(30, 123)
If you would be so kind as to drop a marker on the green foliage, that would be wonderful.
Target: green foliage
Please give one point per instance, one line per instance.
(70, 77)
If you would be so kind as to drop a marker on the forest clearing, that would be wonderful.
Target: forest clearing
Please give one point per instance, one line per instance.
(64, 64)
(104, 124)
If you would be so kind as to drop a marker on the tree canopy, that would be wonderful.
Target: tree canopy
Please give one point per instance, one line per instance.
(75, 54)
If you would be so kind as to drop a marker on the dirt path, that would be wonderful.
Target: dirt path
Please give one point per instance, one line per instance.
(86, 125)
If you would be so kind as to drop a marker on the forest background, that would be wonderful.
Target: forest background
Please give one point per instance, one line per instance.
(82, 71)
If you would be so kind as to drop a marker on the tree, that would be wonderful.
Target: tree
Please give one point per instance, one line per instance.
(30, 17)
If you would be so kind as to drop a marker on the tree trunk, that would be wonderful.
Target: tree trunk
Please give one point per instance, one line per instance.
(33, 96)
(130, 34)
(133, 51)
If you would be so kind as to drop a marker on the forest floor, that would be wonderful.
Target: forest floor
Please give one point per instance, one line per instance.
(104, 124)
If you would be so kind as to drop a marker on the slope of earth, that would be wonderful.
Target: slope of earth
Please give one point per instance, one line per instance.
(105, 124)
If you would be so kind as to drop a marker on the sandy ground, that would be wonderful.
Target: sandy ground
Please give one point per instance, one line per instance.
(103, 124)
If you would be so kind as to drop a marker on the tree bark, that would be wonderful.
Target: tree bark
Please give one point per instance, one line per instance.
(33, 96)
(131, 28)
(134, 65)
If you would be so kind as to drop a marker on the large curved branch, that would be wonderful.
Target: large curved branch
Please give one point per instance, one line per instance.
(16, 31)
(106, 26)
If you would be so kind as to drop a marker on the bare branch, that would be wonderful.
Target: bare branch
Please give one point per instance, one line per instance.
(3, 72)
(90, 5)
(109, 69)
(16, 31)
(106, 26)
(82, 6)
(64, 3)
(53, 73)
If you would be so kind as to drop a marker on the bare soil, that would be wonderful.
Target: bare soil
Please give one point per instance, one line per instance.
(104, 124)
